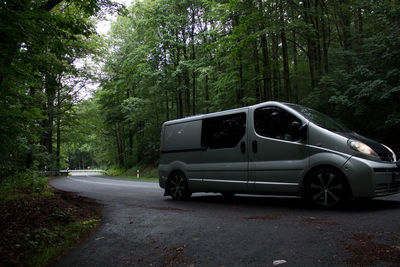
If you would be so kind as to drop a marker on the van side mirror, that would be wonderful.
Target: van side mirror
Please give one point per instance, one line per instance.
(298, 131)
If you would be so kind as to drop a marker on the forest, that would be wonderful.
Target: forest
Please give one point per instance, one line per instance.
(168, 59)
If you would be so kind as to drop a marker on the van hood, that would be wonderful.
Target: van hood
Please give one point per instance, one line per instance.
(383, 153)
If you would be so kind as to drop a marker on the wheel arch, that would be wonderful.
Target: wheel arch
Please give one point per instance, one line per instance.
(171, 173)
(313, 169)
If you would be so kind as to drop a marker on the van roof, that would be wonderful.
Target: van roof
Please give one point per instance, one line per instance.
(219, 113)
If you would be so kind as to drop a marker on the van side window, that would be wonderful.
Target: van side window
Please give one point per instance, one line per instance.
(223, 131)
(275, 123)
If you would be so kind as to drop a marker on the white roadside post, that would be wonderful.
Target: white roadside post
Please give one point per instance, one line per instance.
(137, 174)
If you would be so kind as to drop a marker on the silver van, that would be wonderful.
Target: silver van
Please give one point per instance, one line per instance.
(274, 148)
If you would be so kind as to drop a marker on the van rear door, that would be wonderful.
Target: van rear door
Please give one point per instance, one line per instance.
(278, 158)
(225, 158)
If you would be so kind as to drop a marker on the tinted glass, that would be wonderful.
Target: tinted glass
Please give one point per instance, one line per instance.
(276, 123)
(224, 131)
(320, 119)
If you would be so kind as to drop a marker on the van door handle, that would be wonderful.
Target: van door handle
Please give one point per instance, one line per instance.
(254, 146)
(243, 147)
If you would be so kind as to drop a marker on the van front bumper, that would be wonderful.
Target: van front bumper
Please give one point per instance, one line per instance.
(390, 186)
(371, 178)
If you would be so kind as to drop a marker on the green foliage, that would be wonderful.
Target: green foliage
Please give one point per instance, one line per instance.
(54, 228)
(39, 81)
(369, 89)
(169, 59)
(115, 170)
(45, 244)
(23, 184)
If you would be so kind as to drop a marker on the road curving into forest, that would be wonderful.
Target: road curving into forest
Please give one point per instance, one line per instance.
(141, 227)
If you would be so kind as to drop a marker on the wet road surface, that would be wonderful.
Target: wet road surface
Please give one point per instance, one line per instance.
(141, 227)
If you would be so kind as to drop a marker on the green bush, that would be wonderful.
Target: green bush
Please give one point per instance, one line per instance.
(116, 170)
(28, 181)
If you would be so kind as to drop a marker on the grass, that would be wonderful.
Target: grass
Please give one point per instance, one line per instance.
(57, 240)
(22, 186)
(146, 173)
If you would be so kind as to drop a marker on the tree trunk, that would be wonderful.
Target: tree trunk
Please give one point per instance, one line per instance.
(295, 68)
(344, 17)
(358, 26)
(266, 68)
(179, 103)
(130, 155)
(119, 144)
(193, 71)
(317, 47)
(207, 94)
(58, 129)
(310, 44)
(47, 125)
(166, 105)
(256, 72)
(275, 67)
(325, 46)
(286, 76)
(240, 91)
(186, 78)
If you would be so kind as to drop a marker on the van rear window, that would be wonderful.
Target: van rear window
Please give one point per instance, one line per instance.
(181, 136)
(223, 131)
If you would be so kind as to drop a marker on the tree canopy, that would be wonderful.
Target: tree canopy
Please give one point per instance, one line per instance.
(171, 59)
(40, 42)
(167, 59)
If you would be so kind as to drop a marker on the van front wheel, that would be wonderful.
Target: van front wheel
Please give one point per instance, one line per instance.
(325, 188)
(178, 187)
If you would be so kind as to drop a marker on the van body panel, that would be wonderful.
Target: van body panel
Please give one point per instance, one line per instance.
(321, 139)
(277, 165)
(230, 172)
(327, 148)
(371, 178)
(191, 171)
(226, 169)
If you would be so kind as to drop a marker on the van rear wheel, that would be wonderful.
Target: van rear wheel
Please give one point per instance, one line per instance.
(178, 187)
(326, 188)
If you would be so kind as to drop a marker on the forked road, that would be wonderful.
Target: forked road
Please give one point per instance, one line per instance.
(141, 227)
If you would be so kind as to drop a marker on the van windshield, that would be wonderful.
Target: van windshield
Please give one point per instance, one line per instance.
(320, 119)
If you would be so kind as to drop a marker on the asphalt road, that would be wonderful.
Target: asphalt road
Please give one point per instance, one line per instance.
(141, 227)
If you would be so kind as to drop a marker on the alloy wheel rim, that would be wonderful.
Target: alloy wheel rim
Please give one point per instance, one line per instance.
(177, 186)
(326, 189)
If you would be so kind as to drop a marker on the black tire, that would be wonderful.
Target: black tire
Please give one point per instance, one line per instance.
(178, 187)
(326, 188)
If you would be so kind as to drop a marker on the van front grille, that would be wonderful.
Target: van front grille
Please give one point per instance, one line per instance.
(387, 189)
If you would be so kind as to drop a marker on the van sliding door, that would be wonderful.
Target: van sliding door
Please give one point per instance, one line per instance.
(277, 157)
(225, 158)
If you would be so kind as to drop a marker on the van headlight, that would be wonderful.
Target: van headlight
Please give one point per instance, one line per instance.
(391, 151)
(361, 147)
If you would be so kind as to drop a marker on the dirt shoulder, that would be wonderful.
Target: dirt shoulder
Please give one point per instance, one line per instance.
(37, 229)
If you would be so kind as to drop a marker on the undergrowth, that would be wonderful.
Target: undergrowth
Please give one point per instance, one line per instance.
(46, 243)
(146, 172)
(38, 222)
(23, 185)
